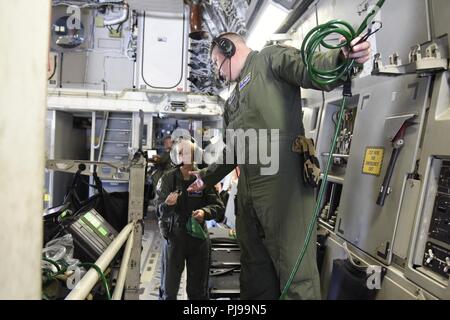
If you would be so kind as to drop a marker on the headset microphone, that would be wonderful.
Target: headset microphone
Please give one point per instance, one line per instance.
(221, 77)
(227, 48)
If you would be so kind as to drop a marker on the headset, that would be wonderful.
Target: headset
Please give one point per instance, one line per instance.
(226, 47)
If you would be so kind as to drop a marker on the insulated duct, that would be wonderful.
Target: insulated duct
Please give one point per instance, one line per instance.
(197, 32)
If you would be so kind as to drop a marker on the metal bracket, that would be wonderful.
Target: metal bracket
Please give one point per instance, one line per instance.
(105, 170)
(432, 59)
(383, 250)
(177, 105)
(435, 58)
(394, 68)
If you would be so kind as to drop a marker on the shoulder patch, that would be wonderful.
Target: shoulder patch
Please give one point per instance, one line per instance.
(245, 81)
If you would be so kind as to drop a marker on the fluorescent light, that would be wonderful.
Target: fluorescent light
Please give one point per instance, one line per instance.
(269, 19)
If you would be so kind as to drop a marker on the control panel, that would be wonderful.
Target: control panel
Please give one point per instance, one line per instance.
(437, 250)
(437, 259)
(440, 219)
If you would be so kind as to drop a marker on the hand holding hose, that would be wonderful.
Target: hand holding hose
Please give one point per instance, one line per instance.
(318, 37)
(359, 51)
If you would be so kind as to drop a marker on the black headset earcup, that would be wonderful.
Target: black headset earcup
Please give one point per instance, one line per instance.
(227, 47)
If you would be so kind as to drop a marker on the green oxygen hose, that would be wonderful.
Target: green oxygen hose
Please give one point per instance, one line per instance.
(101, 275)
(85, 265)
(54, 263)
(315, 38)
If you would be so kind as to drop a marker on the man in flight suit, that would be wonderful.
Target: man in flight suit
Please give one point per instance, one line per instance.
(273, 211)
(178, 205)
(162, 162)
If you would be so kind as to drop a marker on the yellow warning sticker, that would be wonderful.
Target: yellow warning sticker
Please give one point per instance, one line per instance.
(373, 160)
(46, 197)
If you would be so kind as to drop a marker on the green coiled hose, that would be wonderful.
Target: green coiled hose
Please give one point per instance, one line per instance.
(315, 38)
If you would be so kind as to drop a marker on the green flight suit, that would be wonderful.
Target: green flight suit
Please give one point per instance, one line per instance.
(179, 246)
(273, 211)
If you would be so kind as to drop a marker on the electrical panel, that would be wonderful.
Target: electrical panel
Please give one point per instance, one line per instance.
(345, 137)
(440, 227)
(341, 153)
(437, 259)
(437, 251)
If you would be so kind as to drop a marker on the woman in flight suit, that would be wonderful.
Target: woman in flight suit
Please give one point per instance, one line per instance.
(176, 208)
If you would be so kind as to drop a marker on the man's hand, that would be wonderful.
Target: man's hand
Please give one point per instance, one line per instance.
(360, 52)
(197, 185)
(199, 215)
(172, 198)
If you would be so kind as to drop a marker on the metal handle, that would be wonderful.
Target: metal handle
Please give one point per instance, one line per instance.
(384, 191)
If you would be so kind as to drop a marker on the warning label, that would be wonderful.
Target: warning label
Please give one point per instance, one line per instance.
(373, 160)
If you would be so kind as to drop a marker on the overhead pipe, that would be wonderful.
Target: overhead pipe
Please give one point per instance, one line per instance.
(196, 20)
(121, 19)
